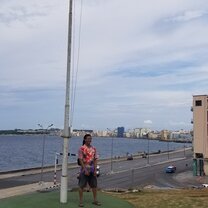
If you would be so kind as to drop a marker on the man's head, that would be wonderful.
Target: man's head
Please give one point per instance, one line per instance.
(87, 139)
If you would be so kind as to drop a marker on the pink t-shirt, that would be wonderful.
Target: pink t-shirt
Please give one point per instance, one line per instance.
(87, 154)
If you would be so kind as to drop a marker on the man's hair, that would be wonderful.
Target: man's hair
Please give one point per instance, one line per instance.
(85, 137)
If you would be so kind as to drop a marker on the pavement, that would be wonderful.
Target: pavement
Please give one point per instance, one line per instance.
(26, 189)
(187, 177)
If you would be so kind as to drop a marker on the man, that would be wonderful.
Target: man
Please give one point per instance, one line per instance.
(87, 155)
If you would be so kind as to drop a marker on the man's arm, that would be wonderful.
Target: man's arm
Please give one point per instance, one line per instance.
(95, 163)
(83, 166)
(95, 167)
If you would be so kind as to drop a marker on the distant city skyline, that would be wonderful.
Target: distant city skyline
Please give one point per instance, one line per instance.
(140, 63)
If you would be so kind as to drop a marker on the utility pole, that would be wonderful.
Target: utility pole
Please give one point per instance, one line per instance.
(148, 152)
(67, 132)
(44, 131)
(112, 155)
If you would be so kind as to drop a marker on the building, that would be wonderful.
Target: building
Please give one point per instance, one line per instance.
(120, 131)
(165, 135)
(200, 133)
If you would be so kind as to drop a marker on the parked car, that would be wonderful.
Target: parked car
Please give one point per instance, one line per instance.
(129, 157)
(170, 169)
(205, 185)
(144, 155)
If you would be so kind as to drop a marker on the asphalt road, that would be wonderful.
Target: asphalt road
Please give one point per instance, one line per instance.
(118, 173)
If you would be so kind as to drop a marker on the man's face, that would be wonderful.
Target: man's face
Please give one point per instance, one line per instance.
(88, 140)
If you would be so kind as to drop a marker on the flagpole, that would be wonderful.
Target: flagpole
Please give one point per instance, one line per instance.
(66, 132)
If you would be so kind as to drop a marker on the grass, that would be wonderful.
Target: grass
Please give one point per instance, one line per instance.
(184, 198)
(51, 200)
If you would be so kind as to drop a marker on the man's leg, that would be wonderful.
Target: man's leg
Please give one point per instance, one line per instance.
(93, 185)
(80, 196)
(94, 191)
(82, 184)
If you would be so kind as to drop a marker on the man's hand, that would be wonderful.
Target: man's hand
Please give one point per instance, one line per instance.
(86, 172)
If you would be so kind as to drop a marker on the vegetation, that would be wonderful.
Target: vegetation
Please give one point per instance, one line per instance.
(183, 198)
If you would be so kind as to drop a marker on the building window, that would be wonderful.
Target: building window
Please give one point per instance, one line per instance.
(198, 103)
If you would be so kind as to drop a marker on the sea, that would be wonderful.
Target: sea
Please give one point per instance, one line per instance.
(20, 152)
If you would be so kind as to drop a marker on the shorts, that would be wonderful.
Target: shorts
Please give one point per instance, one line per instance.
(84, 179)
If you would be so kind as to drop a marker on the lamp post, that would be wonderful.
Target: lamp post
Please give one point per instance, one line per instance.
(148, 150)
(168, 149)
(112, 155)
(111, 169)
(43, 149)
(67, 128)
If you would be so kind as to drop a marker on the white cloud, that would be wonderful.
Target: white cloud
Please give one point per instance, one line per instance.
(189, 15)
(147, 122)
(138, 60)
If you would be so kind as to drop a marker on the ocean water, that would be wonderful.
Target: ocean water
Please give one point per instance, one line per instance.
(18, 152)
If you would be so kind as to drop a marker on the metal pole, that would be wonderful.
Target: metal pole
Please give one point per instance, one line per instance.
(148, 151)
(132, 178)
(43, 149)
(66, 133)
(55, 169)
(42, 161)
(168, 150)
(112, 155)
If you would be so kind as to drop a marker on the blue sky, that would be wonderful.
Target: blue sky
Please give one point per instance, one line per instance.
(140, 62)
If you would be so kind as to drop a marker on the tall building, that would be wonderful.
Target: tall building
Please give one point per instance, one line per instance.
(120, 131)
(200, 132)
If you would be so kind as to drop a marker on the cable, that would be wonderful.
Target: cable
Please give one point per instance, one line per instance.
(77, 66)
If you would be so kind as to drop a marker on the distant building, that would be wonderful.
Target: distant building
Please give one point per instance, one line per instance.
(153, 135)
(200, 132)
(165, 135)
(82, 132)
(120, 132)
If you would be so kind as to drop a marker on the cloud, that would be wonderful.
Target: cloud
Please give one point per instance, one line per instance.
(137, 60)
(188, 16)
(181, 124)
(147, 122)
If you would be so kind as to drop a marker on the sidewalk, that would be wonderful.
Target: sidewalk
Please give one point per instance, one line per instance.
(20, 190)
(187, 177)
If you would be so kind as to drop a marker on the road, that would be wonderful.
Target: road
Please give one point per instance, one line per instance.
(122, 173)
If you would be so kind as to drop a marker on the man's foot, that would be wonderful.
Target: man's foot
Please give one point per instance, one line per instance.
(96, 203)
(81, 205)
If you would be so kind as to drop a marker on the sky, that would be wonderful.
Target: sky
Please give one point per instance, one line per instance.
(137, 63)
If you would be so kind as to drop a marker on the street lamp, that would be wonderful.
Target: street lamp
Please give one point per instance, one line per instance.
(43, 149)
(148, 150)
(111, 151)
(168, 149)
(112, 155)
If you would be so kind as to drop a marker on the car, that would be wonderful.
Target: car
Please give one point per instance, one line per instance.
(144, 155)
(129, 157)
(170, 169)
(205, 185)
